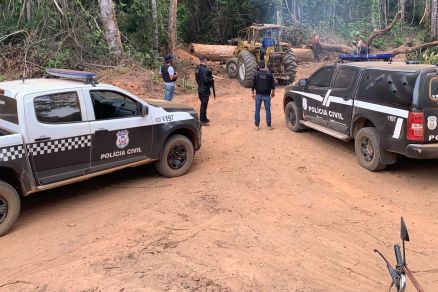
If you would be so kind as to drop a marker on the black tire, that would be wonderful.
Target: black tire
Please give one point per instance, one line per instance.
(177, 156)
(9, 207)
(232, 69)
(293, 117)
(290, 65)
(247, 66)
(368, 149)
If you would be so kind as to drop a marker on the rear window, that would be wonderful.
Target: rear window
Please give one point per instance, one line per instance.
(390, 87)
(8, 109)
(433, 91)
(58, 108)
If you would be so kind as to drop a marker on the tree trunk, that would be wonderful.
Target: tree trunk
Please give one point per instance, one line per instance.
(434, 20)
(404, 49)
(383, 13)
(155, 23)
(336, 48)
(426, 14)
(373, 19)
(402, 5)
(112, 33)
(172, 25)
(223, 53)
(279, 12)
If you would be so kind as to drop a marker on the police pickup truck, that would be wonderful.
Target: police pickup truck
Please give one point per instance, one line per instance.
(55, 132)
(388, 108)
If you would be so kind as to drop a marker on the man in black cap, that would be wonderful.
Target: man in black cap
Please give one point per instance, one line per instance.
(169, 76)
(204, 78)
(263, 88)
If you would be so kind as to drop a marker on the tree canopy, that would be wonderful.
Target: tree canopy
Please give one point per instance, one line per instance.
(65, 32)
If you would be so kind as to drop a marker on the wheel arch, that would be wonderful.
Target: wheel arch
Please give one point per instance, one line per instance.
(291, 97)
(186, 131)
(361, 122)
(10, 176)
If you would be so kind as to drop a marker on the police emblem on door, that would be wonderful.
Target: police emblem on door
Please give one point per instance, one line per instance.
(122, 139)
(432, 123)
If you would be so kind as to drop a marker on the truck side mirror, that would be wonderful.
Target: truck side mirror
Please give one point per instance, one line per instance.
(144, 110)
(303, 82)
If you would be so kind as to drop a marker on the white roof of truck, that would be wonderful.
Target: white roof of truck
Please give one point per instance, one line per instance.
(12, 88)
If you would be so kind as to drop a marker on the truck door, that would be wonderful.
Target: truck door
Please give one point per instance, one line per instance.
(120, 135)
(339, 102)
(58, 135)
(314, 94)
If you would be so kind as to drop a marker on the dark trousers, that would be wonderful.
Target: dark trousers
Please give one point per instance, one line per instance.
(316, 50)
(203, 97)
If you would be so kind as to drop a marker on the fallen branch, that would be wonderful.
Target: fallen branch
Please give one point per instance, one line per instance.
(376, 32)
(58, 7)
(405, 50)
(15, 282)
(11, 34)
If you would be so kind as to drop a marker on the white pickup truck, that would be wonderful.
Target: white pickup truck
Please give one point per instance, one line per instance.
(55, 132)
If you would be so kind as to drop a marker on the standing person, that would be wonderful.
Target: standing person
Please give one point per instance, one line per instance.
(169, 76)
(268, 41)
(316, 45)
(362, 46)
(263, 89)
(204, 78)
(355, 49)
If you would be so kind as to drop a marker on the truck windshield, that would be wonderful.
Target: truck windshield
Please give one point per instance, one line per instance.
(8, 109)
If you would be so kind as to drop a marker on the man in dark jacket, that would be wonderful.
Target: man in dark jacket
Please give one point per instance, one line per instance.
(263, 89)
(205, 80)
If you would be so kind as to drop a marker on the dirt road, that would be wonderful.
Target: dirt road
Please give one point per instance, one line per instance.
(259, 211)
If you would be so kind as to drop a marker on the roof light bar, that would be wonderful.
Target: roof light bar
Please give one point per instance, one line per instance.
(87, 77)
(366, 57)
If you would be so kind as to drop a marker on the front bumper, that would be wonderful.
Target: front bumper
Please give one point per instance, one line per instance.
(422, 151)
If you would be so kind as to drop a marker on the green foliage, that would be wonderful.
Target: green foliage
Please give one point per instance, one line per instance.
(430, 56)
(50, 38)
(59, 60)
(379, 44)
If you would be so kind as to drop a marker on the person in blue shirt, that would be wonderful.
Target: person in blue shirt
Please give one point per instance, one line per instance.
(169, 76)
(268, 41)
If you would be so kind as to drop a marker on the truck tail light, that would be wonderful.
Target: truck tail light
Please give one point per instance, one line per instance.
(416, 126)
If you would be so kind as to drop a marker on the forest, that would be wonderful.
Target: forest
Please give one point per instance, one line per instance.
(57, 33)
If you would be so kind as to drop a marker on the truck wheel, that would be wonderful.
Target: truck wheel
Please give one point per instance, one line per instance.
(290, 65)
(247, 68)
(9, 207)
(177, 156)
(293, 117)
(231, 67)
(368, 149)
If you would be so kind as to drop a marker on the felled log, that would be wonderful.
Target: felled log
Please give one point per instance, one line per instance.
(304, 55)
(341, 48)
(405, 49)
(212, 52)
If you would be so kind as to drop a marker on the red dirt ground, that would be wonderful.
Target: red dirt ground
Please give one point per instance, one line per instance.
(259, 211)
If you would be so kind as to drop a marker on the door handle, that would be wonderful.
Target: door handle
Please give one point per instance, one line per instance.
(41, 139)
(101, 131)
